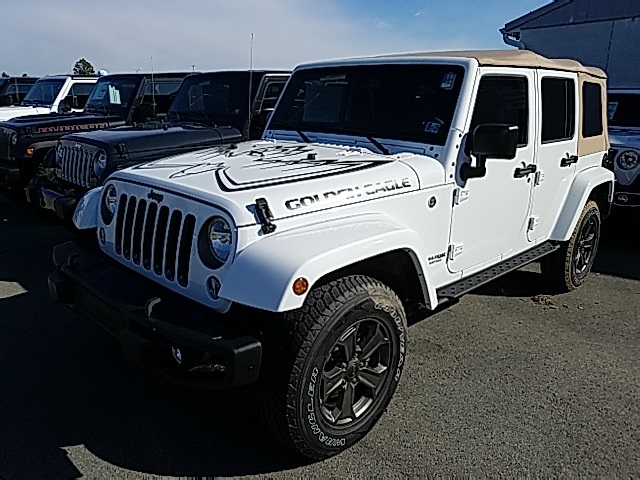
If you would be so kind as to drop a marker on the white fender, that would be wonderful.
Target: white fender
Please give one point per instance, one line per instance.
(262, 274)
(582, 186)
(86, 213)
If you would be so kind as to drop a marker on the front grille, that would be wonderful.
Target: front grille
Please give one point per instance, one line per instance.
(76, 165)
(155, 238)
(5, 142)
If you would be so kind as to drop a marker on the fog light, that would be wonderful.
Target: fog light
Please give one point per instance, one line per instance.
(177, 355)
(103, 235)
(300, 286)
(213, 287)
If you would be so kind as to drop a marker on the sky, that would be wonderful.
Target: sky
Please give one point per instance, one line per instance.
(47, 37)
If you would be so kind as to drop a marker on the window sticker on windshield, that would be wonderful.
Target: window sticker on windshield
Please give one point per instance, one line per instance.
(611, 110)
(447, 81)
(432, 127)
(114, 95)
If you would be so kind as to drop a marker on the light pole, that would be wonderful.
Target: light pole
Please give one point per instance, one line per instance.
(137, 69)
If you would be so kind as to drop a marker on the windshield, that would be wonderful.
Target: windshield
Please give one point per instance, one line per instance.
(404, 102)
(43, 92)
(624, 109)
(113, 95)
(219, 98)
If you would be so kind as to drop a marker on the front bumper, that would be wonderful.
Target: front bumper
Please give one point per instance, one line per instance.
(51, 198)
(156, 329)
(9, 174)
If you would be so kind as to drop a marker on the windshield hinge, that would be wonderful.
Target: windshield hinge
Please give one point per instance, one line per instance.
(122, 150)
(460, 195)
(264, 215)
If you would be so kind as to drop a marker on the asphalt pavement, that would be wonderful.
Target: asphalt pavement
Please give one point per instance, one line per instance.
(508, 381)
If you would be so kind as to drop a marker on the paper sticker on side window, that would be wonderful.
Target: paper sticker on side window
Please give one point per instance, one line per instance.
(447, 81)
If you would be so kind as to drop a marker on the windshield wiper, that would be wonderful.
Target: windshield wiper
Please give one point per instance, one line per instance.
(384, 150)
(304, 138)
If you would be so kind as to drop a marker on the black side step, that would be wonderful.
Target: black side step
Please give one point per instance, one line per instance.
(460, 287)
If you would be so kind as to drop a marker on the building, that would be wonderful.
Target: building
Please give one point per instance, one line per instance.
(602, 33)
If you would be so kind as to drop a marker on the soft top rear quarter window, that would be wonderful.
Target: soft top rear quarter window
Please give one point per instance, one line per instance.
(591, 109)
(404, 102)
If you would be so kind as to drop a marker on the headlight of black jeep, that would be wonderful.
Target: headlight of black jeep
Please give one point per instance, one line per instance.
(109, 204)
(99, 162)
(628, 160)
(14, 138)
(215, 242)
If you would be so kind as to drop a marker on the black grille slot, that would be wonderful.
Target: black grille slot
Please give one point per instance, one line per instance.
(184, 252)
(147, 241)
(128, 228)
(173, 233)
(158, 243)
(5, 144)
(155, 237)
(137, 231)
(122, 204)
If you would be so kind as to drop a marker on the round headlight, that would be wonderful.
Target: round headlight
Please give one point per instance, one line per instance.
(99, 162)
(219, 236)
(109, 203)
(628, 160)
(14, 138)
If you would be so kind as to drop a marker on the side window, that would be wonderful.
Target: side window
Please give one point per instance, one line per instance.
(80, 93)
(503, 100)
(162, 93)
(591, 109)
(271, 94)
(558, 109)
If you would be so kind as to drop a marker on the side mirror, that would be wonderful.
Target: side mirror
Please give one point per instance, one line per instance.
(6, 100)
(143, 112)
(490, 141)
(65, 105)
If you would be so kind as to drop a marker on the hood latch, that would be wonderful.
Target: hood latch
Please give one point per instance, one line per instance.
(265, 216)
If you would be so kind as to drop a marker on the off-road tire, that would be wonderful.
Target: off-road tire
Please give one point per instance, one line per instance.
(568, 268)
(304, 356)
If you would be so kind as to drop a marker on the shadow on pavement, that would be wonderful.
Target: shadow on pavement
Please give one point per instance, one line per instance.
(64, 382)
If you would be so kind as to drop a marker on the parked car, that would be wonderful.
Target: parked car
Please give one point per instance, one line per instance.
(117, 99)
(209, 109)
(48, 94)
(383, 186)
(14, 89)
(624, 132)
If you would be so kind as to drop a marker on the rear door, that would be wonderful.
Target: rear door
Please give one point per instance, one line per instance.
(556, 149)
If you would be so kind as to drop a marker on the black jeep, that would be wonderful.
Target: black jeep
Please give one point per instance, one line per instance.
(13, 89)
(209, 109)
(115, 100)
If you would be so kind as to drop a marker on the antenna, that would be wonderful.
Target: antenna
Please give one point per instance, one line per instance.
(250, 87)
(153, 91)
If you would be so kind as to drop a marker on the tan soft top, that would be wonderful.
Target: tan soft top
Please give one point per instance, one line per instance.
(509, 58)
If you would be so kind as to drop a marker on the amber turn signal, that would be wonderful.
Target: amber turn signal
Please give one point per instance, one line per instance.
(300, 286)
(30, 151)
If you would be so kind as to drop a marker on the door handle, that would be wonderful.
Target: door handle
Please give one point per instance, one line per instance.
(524, 171)
(569, 160)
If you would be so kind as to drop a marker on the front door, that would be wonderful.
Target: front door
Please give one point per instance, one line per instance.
(490, 215)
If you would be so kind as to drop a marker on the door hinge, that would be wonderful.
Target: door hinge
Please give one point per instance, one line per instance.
(533, 222)
(460, 195)
(454, 250)
(539, 178)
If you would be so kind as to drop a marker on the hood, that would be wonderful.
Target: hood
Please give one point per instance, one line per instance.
(64, 122)
(294, 178)
(157, 136)
(621, 137)
(7, 113)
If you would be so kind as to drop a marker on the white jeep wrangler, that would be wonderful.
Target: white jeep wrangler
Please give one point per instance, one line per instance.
(382, 186)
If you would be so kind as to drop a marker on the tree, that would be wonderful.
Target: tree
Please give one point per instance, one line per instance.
(83, 67)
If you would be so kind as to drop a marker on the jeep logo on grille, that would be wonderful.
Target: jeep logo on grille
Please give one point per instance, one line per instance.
(158, 197)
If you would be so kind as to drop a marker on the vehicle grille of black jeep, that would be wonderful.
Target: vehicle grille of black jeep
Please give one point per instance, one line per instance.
(154, 237)
(5, 142)
(76, 164)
